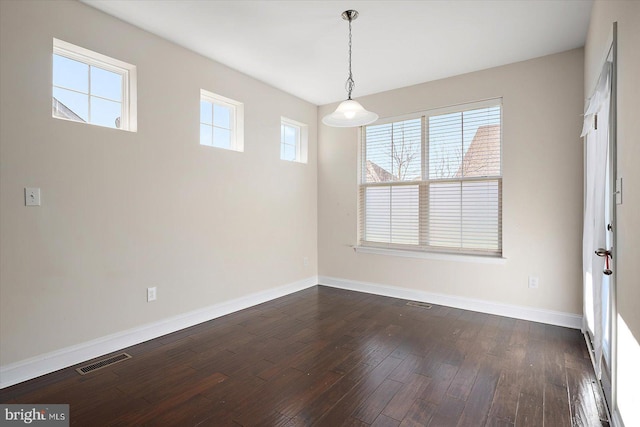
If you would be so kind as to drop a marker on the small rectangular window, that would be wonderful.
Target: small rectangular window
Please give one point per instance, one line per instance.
(221, 122)
(293, 140)
(92, 88)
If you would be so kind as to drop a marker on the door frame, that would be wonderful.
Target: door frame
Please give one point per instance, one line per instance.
(613, 179)
(608, 381)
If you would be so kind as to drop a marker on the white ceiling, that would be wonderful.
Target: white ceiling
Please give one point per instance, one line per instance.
(301, 46)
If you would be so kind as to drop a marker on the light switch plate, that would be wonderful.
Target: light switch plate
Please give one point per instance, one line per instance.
(151, 294)
(619, 191)
(31, 196)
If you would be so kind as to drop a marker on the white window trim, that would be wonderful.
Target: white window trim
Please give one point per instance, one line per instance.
(474, 105)
(440, 256)
(237, 125)
(302, 144)
(129, 120)
(444, 254)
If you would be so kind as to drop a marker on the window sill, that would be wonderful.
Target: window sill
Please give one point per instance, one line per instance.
(479, 259)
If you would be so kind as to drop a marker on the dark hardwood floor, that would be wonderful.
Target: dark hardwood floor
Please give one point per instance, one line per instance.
(329, 357)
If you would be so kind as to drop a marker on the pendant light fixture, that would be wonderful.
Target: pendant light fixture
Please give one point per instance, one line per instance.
(349, 113)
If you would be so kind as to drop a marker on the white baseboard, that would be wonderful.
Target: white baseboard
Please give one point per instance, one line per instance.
(46, 363)
(558, 318)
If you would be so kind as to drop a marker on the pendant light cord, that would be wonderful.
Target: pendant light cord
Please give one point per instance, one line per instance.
(350, 84)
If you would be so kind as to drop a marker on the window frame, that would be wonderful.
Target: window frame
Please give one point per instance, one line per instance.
(302, 135)
(128, 117)
(236, 142)
(422, 249)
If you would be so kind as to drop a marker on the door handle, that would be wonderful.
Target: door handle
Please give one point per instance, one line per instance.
(602, 252)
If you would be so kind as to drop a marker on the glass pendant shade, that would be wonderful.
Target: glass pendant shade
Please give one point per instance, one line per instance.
(349, 114)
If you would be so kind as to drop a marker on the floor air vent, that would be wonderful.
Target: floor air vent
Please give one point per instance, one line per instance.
(419, 304)
(103, 363)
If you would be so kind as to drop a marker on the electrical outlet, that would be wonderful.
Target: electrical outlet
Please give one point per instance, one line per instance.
(151, 294)
(305, 261)
(533, 282)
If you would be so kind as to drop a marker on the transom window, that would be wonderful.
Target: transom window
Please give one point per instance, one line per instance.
(221, 122)
(293, 140)
(433, 181)
(89, 87)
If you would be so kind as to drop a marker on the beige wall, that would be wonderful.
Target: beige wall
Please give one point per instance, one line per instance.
(123, 211)
(542, 188)
(627, 14)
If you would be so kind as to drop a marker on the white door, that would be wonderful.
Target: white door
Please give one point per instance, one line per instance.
(608, 284)
(599, 225)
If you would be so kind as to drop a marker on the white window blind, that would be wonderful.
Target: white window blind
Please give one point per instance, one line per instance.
(433, 181)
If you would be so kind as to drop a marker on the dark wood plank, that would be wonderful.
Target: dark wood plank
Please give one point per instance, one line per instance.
(189, 412)
(105, 405)
(498, 422)
(359, 393)
(419, 414)
(400, 404)
(448, 412)
(532, 370)
(405, 371)
(369, 409)
(601, 404)
(331, 357)
(258, 405)
(556, 404)
(500, 344)
(479, 402)
(440, 383)
(505, 399)
(326, 400)
(171, 403)
(312, 386)
(465, 377)
(581, 399)
(384, 421)
(353, 422)
(554, 368)
(529, 410)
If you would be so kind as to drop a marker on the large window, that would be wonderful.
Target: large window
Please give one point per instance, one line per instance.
(221, 122)
(89, 87)
(433, 181)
